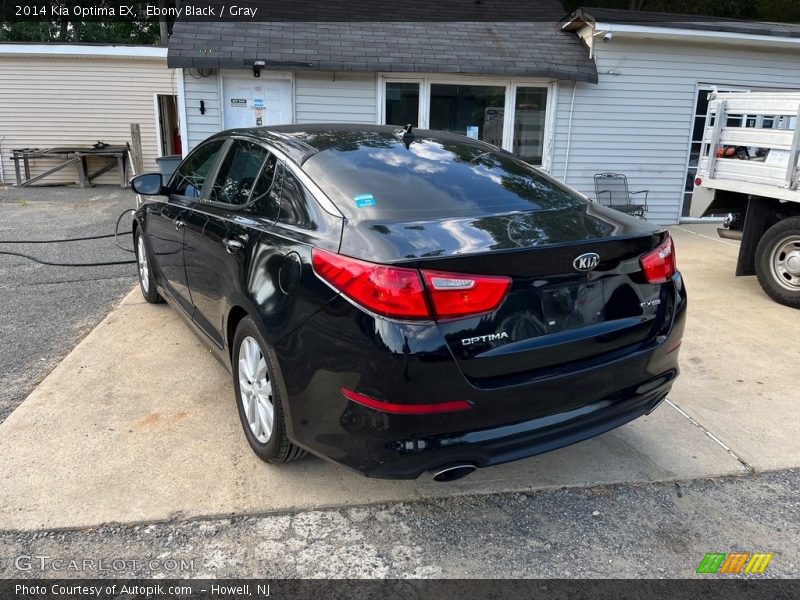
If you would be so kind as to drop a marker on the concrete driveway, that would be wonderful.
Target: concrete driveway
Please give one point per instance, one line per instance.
(138, 422)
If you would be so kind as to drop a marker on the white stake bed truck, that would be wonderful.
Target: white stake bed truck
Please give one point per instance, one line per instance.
(748, 169)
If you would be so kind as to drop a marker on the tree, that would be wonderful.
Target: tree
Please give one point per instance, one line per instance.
(107, 31)
(784, 11)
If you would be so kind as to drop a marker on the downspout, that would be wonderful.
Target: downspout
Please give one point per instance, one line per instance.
(183, 125)
(2, 174)
(569, 132)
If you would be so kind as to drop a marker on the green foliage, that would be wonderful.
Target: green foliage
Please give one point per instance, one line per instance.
(97, 30)
(121, 32)
(26, 32)
(112, 32)
(784, 11)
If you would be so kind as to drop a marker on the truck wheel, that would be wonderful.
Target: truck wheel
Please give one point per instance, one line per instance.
(778, 262)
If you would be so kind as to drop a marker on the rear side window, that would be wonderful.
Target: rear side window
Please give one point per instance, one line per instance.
(191, 176)
(297, 203)
(238, 172)
(430, 178)
(266, 198)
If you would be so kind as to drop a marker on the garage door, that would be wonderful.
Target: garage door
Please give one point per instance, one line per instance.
(255, 102)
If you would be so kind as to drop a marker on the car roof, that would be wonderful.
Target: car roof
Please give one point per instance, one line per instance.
(302, 141)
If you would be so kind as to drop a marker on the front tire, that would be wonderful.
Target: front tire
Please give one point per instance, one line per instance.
(258, 396)
(147, 283)
(778, 262)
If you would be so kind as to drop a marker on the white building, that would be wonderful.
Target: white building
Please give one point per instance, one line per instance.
(55, 95)
(646, 113)
(601, 91)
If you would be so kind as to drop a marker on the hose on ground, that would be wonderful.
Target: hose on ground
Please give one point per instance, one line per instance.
(115, 235)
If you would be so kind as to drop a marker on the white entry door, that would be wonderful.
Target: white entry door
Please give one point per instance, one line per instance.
(255, 102)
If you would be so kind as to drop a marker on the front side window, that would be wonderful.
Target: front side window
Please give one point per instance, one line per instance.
(238, 172)
(191, 175)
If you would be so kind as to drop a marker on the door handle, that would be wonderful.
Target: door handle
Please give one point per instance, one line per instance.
(179, 223)
(232, 245)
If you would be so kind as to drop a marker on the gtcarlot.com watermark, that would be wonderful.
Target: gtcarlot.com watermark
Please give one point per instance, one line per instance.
(43, 563)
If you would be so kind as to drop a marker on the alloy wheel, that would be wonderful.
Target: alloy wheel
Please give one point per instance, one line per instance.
(144, 272)
(255, 390)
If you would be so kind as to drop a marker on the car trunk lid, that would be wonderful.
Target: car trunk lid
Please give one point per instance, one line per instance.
(577, 288)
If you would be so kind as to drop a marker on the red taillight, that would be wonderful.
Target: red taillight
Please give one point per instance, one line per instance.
(659, 264)
(399, 292)
(456, 295)
(405, 409)
(388, 291)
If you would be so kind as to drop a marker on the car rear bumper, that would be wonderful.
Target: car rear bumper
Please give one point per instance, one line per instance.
(485, 447)
(521, 418)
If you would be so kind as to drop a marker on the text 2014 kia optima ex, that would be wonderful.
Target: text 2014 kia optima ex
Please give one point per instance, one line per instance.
(403, 301)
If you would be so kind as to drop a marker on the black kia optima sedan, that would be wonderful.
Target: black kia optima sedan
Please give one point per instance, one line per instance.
(403, 301)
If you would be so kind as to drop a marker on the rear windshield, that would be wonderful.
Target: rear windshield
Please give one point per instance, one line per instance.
(382, 178)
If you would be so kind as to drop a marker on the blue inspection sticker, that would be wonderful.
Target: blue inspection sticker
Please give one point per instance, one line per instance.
(364, 200)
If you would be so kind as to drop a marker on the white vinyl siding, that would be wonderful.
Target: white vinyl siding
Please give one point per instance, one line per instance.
(335, 97)
(319, 97)
(197, 88)
(48, 101)
(637, 120)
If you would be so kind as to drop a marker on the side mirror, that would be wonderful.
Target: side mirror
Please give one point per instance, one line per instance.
(148, 184)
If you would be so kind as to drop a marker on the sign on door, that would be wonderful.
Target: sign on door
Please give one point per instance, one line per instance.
(254, 104)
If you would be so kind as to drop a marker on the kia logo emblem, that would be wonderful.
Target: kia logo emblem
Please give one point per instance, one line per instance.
(586, 262)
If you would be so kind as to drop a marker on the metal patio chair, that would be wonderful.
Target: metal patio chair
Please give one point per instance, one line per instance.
(611, 189)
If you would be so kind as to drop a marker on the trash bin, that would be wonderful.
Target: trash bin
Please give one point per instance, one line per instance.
(168, 164)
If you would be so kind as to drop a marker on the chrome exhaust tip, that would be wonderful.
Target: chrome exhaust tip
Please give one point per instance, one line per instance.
(452, 472)
(655, 405)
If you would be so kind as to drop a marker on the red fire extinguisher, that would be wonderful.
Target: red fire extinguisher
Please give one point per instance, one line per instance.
(176, 142)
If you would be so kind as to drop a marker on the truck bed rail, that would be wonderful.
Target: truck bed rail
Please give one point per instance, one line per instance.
(767, 125)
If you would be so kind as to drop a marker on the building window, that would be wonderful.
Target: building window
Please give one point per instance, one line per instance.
(509, 114)
(402, 103)
(169, 139)
(530, 107)
(476, 111)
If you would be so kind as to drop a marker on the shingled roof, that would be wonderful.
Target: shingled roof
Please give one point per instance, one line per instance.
(680, 21)
(532, 46)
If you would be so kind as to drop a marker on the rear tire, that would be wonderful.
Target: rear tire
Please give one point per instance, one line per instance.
(778, 262)
(144, 265)
(258, 398)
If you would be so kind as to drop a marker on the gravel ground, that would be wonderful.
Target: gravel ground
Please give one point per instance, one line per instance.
(47, 310)
(621, 531)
